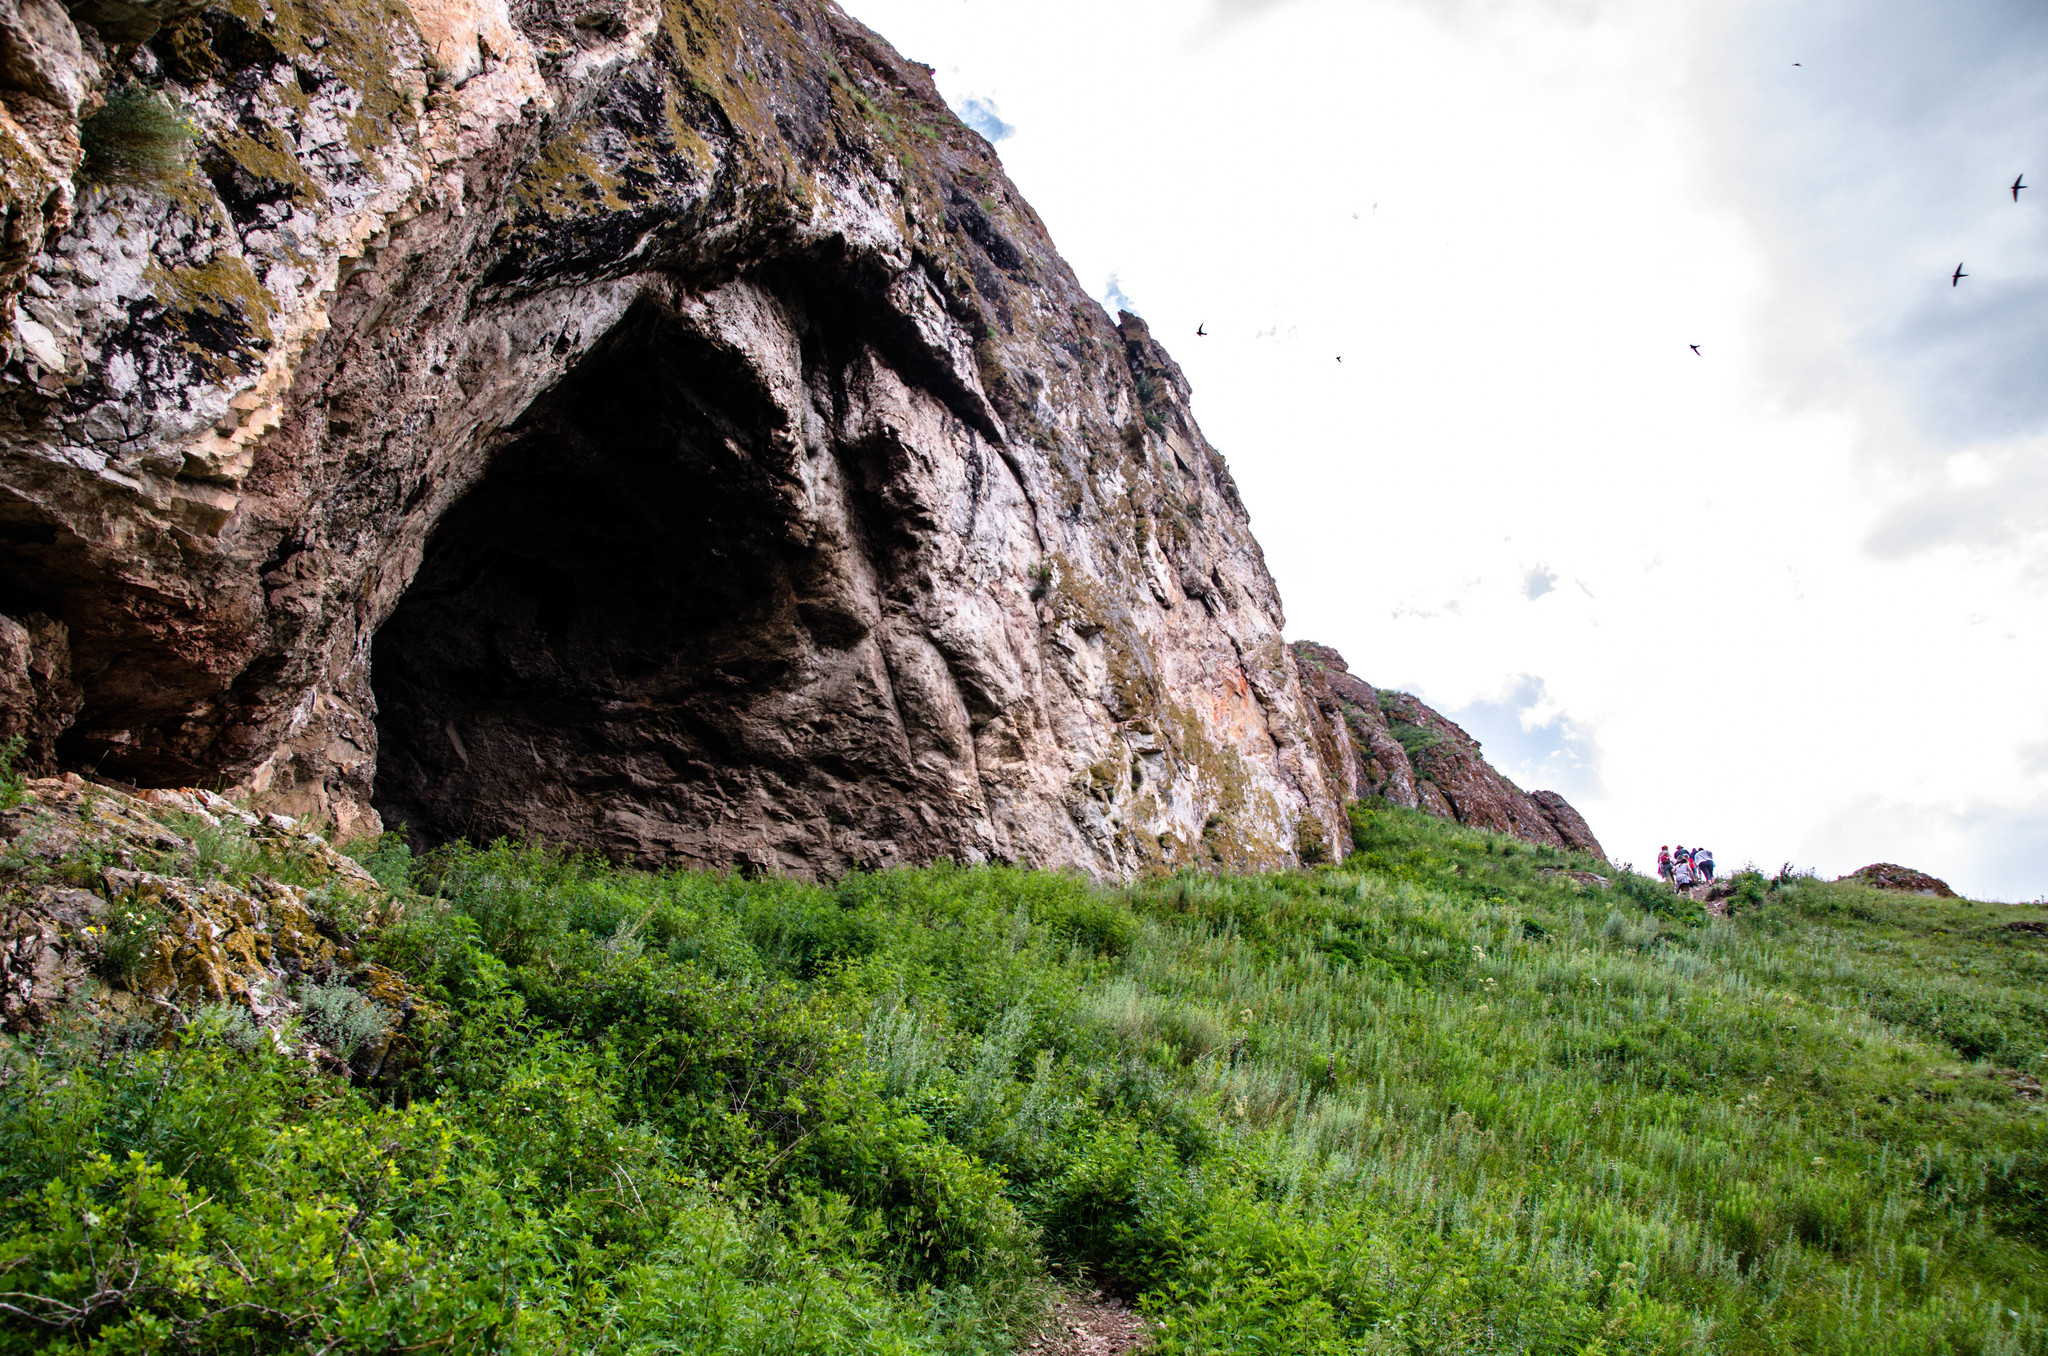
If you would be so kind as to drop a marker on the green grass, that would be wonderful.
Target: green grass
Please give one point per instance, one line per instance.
(1438, 1098)
(137, 137)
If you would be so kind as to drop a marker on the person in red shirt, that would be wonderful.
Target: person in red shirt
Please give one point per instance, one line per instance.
(1664, 863)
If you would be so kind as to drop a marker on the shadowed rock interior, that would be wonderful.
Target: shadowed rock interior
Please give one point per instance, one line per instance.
(640, 632)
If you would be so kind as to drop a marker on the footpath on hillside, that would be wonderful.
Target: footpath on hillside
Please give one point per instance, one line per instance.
(1090, 1325)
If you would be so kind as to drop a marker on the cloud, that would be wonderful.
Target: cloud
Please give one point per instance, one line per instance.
(1983, 851)
(2010, 504)
(1113, 297)
(1535, 750)
(1538, 582)
(1871, 170)
(984, 117)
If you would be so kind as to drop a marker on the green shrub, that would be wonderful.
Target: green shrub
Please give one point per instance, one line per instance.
(13, 790)
(136, 138)
(1416, 739)
(386, 856)
(127, 939)
(1099, 922)
(343, 1019)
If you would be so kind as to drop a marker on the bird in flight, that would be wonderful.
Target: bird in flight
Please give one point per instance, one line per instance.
(1957, 276)
(1340, 357)
(2019, 184)
(1696, 349)
(1202, 329)
(1795, 63)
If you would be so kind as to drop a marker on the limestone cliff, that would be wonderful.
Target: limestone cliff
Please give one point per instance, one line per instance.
(1378, 743)
(657, 425)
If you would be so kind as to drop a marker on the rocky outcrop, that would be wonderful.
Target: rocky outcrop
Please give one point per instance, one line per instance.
(152, 910)
(1387, 745)
(657, 425)
(1890, 876)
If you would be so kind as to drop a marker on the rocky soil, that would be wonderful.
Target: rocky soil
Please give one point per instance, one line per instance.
(1090, 1325)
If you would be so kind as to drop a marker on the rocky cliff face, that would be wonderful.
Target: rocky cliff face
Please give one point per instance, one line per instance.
(1389, 745)
(656, 425)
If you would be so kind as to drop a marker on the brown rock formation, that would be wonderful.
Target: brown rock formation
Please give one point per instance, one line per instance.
(1890, 876)
(661, 427)
(38, 700)
(1389, 745)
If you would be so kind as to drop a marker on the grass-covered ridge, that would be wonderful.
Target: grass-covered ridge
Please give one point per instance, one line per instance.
(1442, 1097)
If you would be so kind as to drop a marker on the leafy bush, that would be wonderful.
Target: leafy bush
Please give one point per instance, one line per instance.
(386, 856)
(1445, 1095)
(127, 939)
(1416, 739)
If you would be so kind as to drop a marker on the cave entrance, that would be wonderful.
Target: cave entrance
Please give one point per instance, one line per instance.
(616, 639)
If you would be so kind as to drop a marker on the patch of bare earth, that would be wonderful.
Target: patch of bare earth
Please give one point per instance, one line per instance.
(1089, 1325)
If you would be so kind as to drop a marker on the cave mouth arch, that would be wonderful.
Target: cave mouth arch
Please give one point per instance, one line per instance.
(639, 633)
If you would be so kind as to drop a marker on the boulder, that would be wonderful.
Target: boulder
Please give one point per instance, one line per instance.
(154, 908)
(1889, 876)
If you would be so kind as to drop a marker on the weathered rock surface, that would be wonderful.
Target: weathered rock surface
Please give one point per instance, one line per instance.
(659, 426)
(1388, 745)
(1890, 876)
(112, 906)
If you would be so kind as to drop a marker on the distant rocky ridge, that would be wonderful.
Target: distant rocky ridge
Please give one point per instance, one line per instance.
(1890, 876)
(658, 426)
(1390, 746)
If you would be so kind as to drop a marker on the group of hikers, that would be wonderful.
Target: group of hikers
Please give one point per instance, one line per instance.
(1682, 868)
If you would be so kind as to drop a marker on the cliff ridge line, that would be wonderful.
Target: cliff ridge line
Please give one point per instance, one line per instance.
(660, 427)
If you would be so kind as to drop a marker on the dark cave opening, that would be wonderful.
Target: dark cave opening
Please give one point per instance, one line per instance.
(608, 639)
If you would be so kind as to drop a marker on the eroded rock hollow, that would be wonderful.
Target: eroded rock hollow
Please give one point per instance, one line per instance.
(657, 426)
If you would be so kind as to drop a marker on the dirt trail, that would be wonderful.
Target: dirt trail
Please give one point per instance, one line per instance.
(1090, 1325)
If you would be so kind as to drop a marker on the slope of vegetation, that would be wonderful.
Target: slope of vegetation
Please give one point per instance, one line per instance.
(1443, 1097)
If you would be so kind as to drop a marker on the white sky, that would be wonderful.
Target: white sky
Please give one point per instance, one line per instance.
(1784, 598)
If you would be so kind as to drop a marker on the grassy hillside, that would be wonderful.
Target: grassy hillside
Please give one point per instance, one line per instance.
(1440, 1098)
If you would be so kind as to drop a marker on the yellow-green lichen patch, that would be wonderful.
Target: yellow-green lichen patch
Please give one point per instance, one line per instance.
(565, 180)
(1240, 830)
(224, 291)
(362, 43)
(1103, 780)
(687, 140)
(1078, 601)
(270, 156)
